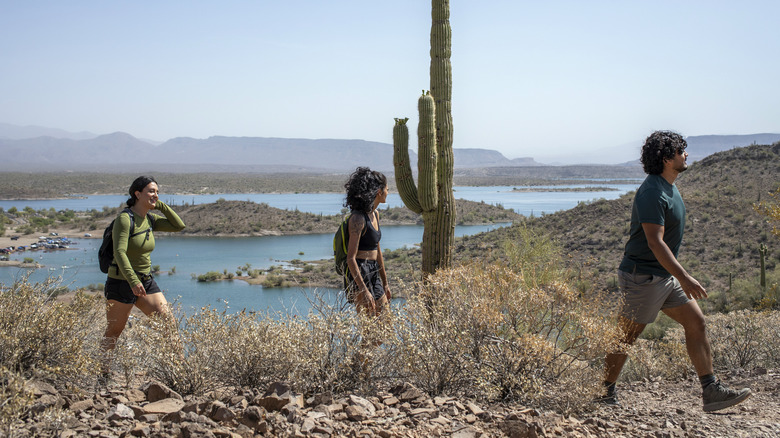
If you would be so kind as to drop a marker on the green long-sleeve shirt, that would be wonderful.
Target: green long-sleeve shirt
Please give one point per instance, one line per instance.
(133, 255)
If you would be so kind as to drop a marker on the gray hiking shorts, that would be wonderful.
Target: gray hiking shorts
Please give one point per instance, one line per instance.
(644, 295)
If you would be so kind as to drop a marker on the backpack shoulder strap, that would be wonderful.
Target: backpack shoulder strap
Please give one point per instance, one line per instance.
(365, 218)
(149, 217)
(129, 212)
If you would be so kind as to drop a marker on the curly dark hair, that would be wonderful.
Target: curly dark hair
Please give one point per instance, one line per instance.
(362, 187)
(660, 146)
(138, 186)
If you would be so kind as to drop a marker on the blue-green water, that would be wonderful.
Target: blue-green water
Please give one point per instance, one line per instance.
(77, 266)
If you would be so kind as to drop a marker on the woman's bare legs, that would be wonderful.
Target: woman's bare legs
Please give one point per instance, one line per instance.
(116, 317)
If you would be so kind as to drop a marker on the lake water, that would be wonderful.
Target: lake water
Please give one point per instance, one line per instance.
(77, 267)
(523, 202)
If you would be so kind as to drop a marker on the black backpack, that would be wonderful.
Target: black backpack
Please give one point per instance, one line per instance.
(106, 251)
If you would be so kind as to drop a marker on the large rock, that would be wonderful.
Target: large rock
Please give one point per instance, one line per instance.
(278, 396)
(121, 412)
(356, 413)
(135, 395)
(363, 403)
(409, 393)
(156, 391)
(221, 413)
(252, 417)
(39, 388)
(165, 406)
(47, 401)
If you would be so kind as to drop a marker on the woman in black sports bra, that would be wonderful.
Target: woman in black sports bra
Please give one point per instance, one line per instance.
(367, 287)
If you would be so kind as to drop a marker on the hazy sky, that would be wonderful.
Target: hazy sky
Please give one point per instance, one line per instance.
(565, 80)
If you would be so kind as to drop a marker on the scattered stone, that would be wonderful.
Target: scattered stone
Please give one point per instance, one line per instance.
(135, 395)
(141, 430)
(121, 412)
(408, 393)
(164, 406)
(363, 403)
(47, 401)
(390, 401)
(403, 412)
(356, 413)
(38, 388)
(325, 398)
(81, 406)
(156, 391)
(219, 412)
(474, 409)
(422, 411)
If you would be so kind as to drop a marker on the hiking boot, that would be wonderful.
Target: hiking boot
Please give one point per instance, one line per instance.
(717, 396)
(105, 380)
(608, 399)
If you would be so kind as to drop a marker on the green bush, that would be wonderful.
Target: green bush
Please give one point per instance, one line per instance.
(210, 276)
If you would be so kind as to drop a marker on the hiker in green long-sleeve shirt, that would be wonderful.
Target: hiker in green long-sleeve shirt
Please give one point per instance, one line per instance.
(130, 281)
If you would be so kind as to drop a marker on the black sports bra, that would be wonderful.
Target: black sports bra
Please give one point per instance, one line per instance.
(369, 241)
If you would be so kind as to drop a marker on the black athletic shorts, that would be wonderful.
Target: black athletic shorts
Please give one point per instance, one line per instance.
(369, 270)
(120, 290)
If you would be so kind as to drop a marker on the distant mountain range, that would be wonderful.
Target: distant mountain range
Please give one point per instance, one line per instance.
(119, 150)
(44, 149)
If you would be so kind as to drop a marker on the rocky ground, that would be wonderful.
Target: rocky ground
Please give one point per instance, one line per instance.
(647, 409)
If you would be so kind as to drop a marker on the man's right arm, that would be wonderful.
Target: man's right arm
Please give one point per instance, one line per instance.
(664, 255)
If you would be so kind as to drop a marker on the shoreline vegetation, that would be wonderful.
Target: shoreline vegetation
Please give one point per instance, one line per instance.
(565, 189)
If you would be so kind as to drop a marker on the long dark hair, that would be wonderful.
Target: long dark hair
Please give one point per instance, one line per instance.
(362, 187)
(138, 186)
(660, 146)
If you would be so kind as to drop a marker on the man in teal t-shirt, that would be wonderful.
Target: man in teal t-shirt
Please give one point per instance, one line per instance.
(652, 280)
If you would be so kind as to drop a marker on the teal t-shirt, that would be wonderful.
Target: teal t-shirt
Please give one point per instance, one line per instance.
(656, 202)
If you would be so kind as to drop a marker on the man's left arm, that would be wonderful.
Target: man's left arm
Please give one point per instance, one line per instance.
(664, 255)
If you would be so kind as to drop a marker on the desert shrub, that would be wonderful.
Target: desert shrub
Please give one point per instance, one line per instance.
(41, 337)
(213, 349)
(178, 350)
(15, 400)
(740, 340)
(657, 329)
(334, 349)
(481, 330)
(664, 358)
(536, 257)
(745, 339)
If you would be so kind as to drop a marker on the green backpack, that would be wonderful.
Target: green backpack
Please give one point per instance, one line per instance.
(340, 243)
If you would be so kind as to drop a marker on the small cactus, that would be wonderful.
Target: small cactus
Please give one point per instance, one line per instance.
(762, 250)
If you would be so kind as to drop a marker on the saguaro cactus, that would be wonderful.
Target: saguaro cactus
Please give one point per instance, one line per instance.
(433, 198)
(762, 276)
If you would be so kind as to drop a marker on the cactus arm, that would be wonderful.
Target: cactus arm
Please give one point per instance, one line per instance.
(404, 180)
(426, 154)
